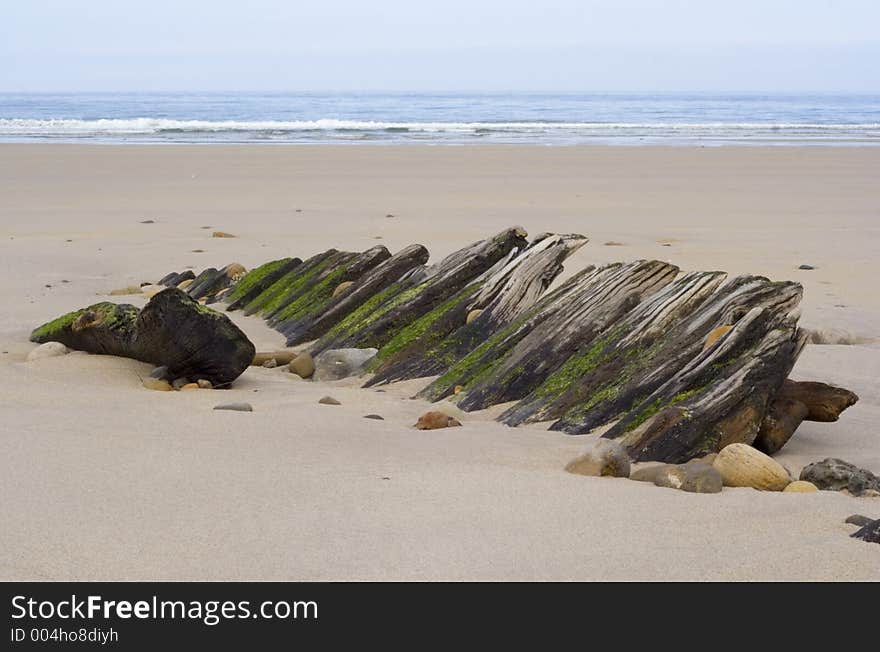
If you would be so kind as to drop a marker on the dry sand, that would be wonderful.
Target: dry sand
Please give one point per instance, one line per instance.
(104, 480)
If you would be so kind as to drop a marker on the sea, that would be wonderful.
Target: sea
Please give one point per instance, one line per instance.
(443, 118)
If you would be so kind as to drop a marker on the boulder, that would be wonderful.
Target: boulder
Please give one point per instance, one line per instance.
(801, 487)
(701, 478)
(172, 330)
(833, 474)
(47, 350)
(740, 465)
(302, 365)
(336, 364)
(606, 457)
(434, 420)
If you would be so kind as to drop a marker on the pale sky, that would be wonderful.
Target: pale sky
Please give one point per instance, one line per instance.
(470, 45)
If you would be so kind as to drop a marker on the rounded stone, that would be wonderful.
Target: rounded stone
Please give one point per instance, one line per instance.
(157, 384)
(328, 400)
(606, 457)
(342, 288)
(302, 365)
(47, 350)
(740, 465)
(801, 487)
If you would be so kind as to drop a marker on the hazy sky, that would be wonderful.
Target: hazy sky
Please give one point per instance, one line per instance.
(572, 45)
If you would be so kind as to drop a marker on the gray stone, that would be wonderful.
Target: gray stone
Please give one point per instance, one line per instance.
(607, 457)
(237, 407)
(271, 363)
(336, 364)
(648, 473)
(177, 383)
(806, 267)
(204, 384)
(833, 474)
(328, 400)
(701, 478)
(377, 417)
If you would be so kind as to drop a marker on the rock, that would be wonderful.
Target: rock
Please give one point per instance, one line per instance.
(336, 364)
(824, 402)
(806, 267)
(328, 400)
(858, 519)
(779, 424)
(833, 474)
(205, 384)
(701, 478)
(178, 383)
(377, 417)
(341, 288)
(190, 386)
(434, 419)
(648, 473)
(607, 457)
(280, 357)
(185, 284)
(234, 271)
(871, 493)
(271, 363)
(801, 487)
(222, 234)
(160, 372)
(869, 532)
(47, 350)
(450, 410)
(302, 365)
(131, 289)
(458, 389)
(472, 315)
(670, 475)
(236, 407)
(741, 465)
(150, 291)
(613, 243)
(157, 384)
(715, 335)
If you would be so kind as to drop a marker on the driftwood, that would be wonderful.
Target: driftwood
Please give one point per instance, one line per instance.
(575, 323)
(418, 293)
(505, 293)
(172, 330)
(258, 280)
(314, 323)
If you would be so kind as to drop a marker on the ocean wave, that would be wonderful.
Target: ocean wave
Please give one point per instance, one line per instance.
(147, 126)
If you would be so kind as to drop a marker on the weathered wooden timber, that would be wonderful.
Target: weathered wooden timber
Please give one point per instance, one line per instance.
(504, 294)
(172, 330)
(415, 300)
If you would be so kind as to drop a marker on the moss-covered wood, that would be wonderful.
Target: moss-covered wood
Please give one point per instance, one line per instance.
(255, 282)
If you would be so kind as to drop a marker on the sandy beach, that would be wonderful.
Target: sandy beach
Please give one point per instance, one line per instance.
(105, 480)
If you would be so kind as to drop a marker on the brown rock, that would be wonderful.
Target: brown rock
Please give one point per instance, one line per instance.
(234, 270)
(779, 424)
(824, 402)
(472, 315)
(190, 386)
(434, 420)
(458, 389)
(281, 357)
(715, 335)
(131, 289)
(222, 234)
(302, 365)
(606, 458)
(649, 473)
(342, 287)
(157, 384)
(205, 384)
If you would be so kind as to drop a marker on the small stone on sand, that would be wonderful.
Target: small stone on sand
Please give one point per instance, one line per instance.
(236, 407)
(328, 400)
